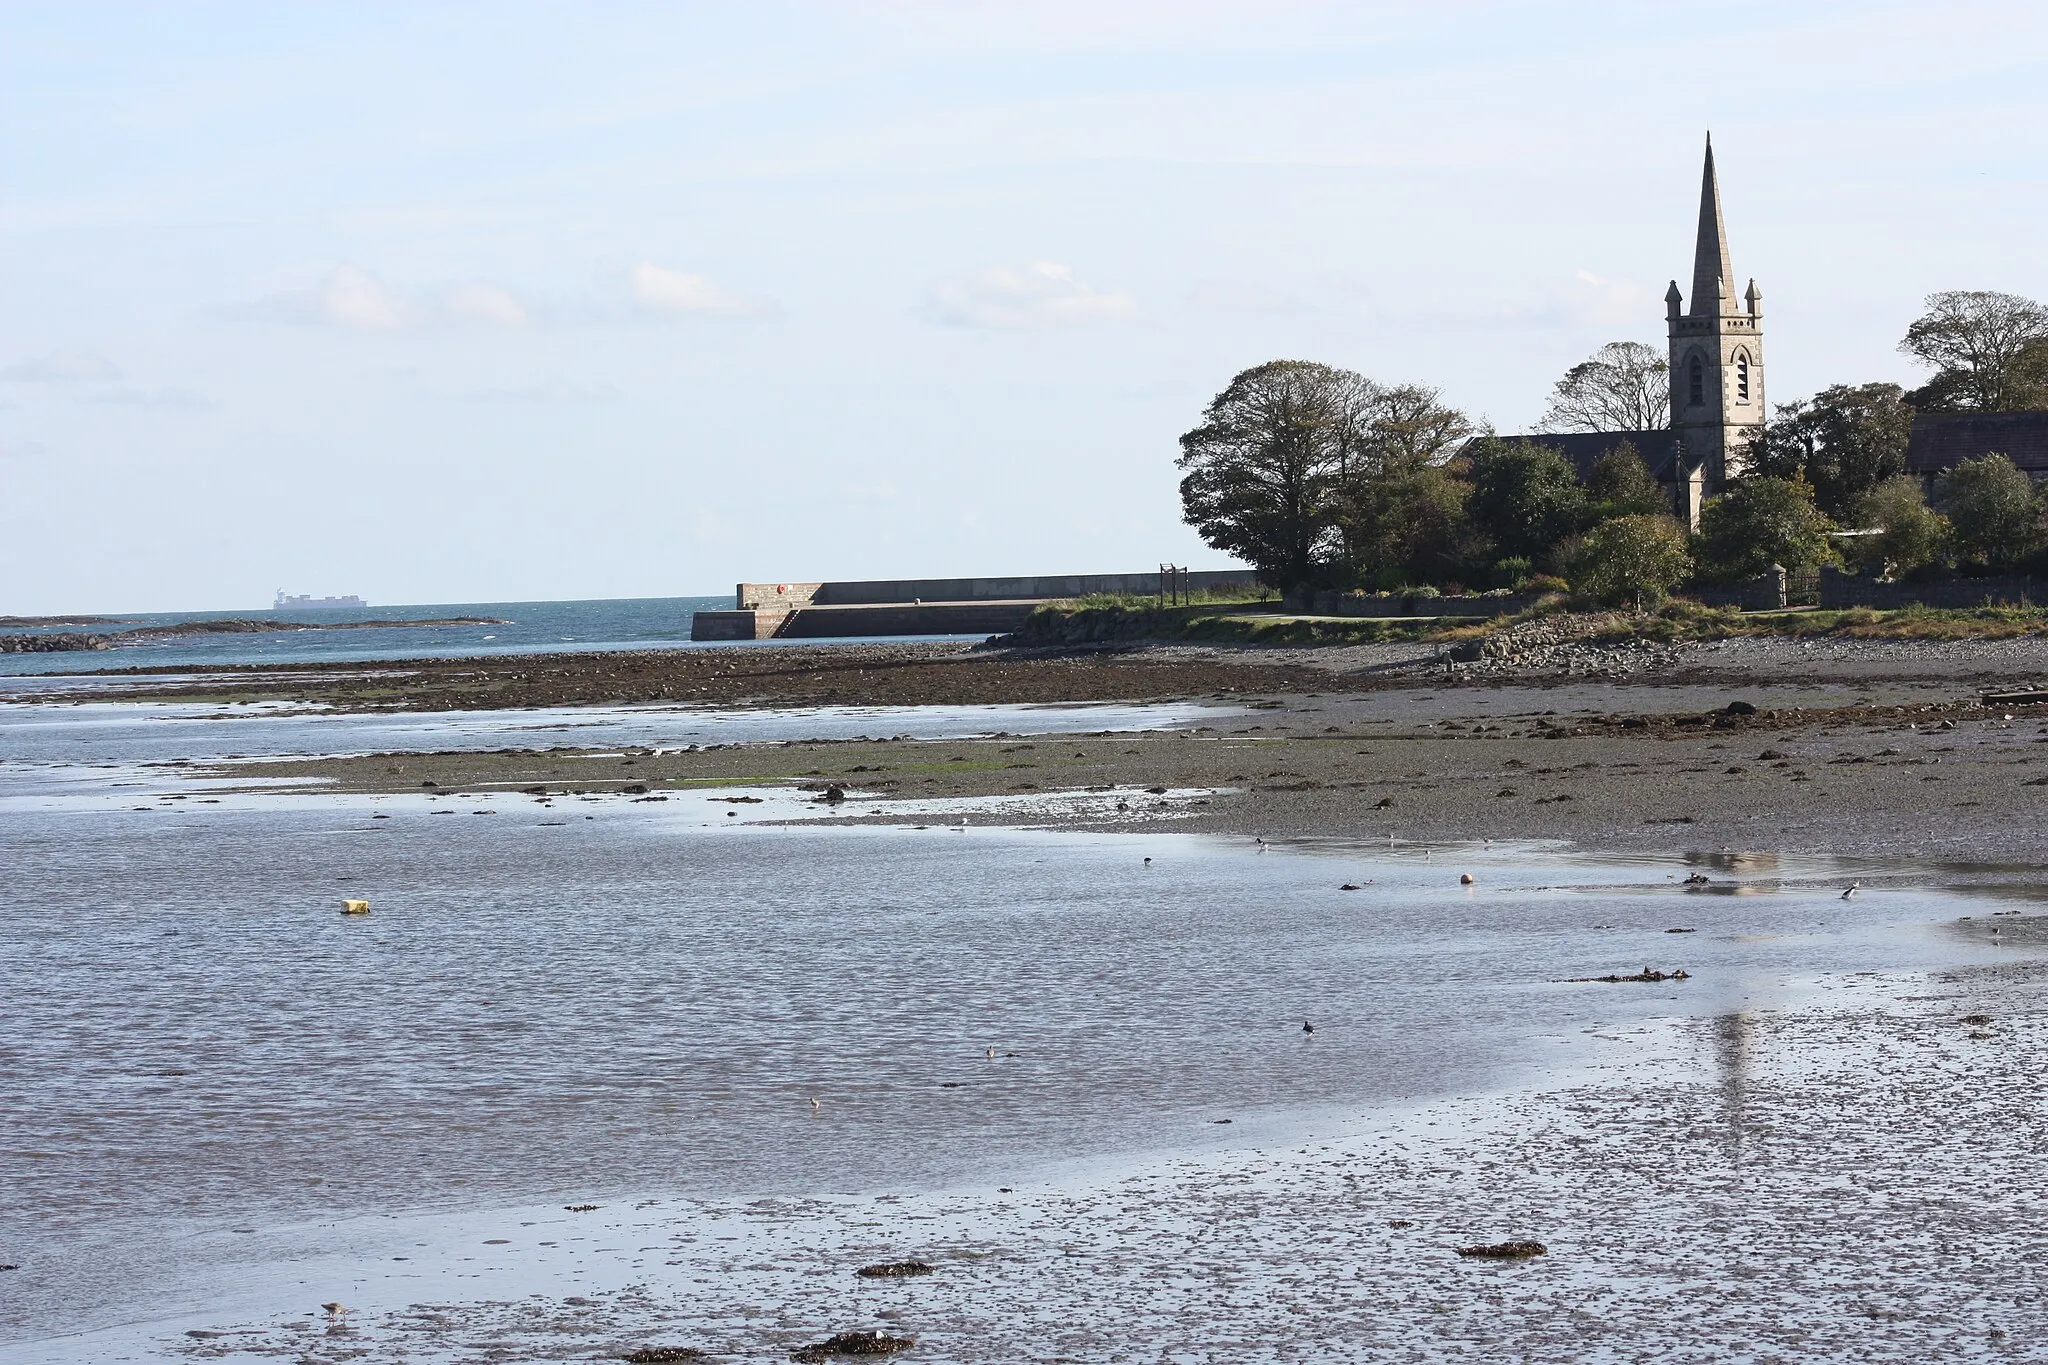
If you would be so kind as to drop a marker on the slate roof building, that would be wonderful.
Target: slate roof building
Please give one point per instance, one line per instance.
(1943, 440)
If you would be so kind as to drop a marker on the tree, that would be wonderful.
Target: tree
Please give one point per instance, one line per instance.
(1759, 522)
(1623, 386)
(1910, 533)
(1389, 438)
(1991, 504)
(1261, 464)
(1408, 524)
(1634, 558)
(1525, 497)
(1989, 352)
(1408, 425)
(1620, 486)
(1845, 440)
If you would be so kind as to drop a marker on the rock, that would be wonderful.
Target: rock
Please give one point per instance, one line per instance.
(67, 643)
(657, 1355)
(893, 1270)
(853, 1344)
(1646, 974)
(1505, 1251)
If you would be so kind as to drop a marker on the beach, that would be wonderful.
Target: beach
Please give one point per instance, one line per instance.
(667, 1019)
(1845, 747)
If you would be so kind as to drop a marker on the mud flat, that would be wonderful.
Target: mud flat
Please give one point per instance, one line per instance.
(1912, 767)
(1840, 1181)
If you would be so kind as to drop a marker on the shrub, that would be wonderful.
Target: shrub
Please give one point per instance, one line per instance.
(1910, 533)
(1992, 507)
(1637, 558)
(1761, 521)
(1511, 572)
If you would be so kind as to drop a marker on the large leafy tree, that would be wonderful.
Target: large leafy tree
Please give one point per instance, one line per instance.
(1407, 524)
(1399, 509)
(1619, 485)
(1845, 441)
(1993, 508)
(1407, 425)
(1623, 386)
(1988, 351)
(1761, 521)
(1635, 558)
(1261, 466)
(1525, 497)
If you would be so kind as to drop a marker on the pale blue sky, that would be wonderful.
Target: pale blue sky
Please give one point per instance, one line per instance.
(501, 301)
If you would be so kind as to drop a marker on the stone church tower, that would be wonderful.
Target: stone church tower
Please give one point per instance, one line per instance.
(1717, 362)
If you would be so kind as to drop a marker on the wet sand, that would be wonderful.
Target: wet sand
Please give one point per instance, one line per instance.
(1835, 1181)
(1904, 767)
(1841, 1175)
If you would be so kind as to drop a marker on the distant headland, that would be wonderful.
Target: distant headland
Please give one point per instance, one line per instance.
(241, 625)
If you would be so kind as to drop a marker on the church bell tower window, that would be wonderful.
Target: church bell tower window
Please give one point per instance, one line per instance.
(1742, 376)
(1695, 381)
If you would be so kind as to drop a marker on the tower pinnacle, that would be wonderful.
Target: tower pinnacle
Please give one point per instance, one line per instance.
(1713, 279)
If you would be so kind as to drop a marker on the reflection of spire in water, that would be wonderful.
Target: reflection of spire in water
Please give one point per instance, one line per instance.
(1731, 1054)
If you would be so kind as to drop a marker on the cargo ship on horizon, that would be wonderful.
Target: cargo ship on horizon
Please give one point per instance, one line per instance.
(286, 602)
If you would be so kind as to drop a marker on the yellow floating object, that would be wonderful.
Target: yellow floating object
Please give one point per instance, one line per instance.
(355, 907)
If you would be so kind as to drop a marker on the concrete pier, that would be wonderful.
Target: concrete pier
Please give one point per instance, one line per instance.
(921, 606)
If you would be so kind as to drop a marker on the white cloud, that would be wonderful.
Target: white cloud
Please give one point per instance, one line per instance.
(69, 367)
(359, 301)
(486, 303)
(673, 292)
(1042, 294)
(354, 300)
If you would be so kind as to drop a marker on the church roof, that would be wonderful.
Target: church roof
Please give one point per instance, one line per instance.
(1941, 441)
(1659, 448)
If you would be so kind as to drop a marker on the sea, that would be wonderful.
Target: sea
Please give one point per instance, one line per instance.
(520, 628)
(226, 1101)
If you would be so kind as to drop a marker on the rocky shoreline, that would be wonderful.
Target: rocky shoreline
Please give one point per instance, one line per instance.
(239, 625)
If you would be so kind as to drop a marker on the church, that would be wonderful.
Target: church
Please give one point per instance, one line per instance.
(1717, 391)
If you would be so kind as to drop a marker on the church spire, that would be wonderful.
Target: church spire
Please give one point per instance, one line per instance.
(1713, 280)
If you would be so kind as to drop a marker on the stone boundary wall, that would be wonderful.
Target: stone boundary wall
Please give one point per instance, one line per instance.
(891, 618)
(1416, 604)
(1033, 588)
(1764, 593)
(1840, 590)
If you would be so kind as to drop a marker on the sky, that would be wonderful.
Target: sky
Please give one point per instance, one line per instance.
(439, 302)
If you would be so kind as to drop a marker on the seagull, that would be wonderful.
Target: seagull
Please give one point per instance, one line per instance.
(991, 1051)
(1148, 862)
(1852, 889)
(1308, 1030)
(817, 1105)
